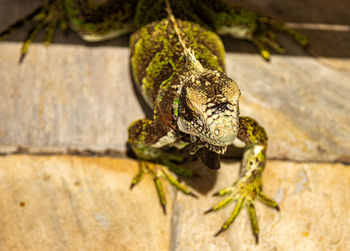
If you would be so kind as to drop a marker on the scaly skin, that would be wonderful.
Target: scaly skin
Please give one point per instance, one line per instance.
(198, 107)
(194, 103)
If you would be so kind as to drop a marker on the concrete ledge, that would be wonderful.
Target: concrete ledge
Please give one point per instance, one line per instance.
(84, 203)
(77, 97)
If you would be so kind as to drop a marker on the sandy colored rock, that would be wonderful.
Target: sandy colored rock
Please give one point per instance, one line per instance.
(81, 203)
(78, 203)
(314, 201)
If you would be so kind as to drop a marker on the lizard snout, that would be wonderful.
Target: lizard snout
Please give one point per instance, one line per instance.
(223, 130)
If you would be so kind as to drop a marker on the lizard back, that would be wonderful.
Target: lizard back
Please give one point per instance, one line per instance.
(157, 58)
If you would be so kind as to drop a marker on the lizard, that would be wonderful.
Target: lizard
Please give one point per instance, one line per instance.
(178, 63)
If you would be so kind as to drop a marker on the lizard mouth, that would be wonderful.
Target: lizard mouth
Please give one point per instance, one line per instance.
(198, 144)
(203, 136)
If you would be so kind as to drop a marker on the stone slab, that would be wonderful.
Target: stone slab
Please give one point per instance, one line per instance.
(84, 203)
(78, 203)
(85, 100)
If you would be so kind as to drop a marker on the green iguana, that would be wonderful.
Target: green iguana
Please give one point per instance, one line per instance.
(177, 61)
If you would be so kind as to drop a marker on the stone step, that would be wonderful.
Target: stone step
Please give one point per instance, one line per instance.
(84, 203)
(79, 97)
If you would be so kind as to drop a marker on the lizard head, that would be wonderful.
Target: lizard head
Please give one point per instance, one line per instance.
(208, 109)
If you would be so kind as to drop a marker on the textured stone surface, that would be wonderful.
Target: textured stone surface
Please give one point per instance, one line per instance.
(66, 96)
(314, 201)
(83, 203)
(71, 203)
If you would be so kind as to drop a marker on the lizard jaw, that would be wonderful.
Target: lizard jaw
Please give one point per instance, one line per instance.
(198, 144)
(200, 140)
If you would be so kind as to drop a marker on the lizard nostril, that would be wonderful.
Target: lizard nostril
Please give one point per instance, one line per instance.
(217, 131)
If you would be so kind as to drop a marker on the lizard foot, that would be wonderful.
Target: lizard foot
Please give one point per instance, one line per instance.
(261, 30)
(45, 17)
(265, 36)
(159, 172)
(244, 192)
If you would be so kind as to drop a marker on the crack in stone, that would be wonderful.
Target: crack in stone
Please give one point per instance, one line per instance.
(63, 151)
(37, 151)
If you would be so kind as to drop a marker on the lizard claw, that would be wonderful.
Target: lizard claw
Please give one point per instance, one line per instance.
(45, 17)
(243, 193)
(264, 36)
(259, 29)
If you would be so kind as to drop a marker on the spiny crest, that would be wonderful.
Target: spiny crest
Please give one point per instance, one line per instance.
(189, 54)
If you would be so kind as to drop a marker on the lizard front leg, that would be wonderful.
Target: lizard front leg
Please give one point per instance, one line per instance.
(249, 186)
(146, 141)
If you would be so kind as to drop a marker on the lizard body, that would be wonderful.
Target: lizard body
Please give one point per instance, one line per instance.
(197, 107)
(194, 102)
